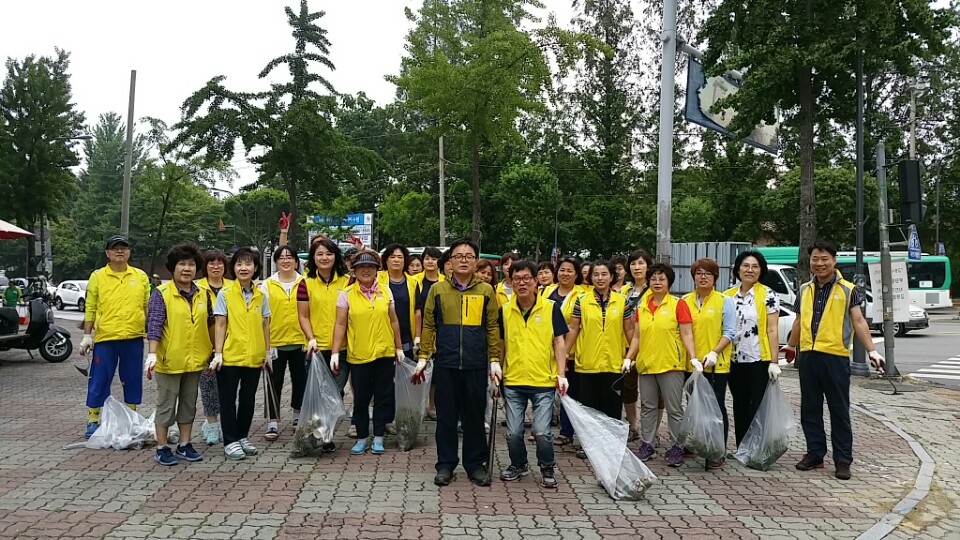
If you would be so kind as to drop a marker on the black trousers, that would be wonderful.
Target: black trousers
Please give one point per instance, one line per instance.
(461, 395)
(236, 410)
(599, 391)
(826, 375)
(373, 380)
(296, 359)
(748, 384)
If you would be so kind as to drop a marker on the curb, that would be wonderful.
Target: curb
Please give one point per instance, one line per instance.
(921, 488)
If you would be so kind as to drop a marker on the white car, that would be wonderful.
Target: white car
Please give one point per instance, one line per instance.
(71, 293)
(787, 316)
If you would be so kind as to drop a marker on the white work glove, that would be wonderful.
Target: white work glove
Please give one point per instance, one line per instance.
(216, 363)
(268, 360)
(416, 346)
(400, 356)
(876, 360)
(496, 373)
(773, 371)
(710, 359)
(697, 365)
(627, 365)
(563, 385)
(86, 344)
(418, 375)
(312, 346)
(335, 363)
(149, 364)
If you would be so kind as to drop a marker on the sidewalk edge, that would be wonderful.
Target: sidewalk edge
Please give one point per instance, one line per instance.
(921, 487)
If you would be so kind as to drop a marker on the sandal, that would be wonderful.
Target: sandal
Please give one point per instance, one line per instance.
(562, 440)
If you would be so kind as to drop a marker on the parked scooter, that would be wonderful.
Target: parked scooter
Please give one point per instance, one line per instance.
(53, 341)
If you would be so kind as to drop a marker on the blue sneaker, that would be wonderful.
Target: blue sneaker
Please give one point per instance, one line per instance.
(378, 447)
(164, 456)
(91, 428)
(360, 447)
(186, 451)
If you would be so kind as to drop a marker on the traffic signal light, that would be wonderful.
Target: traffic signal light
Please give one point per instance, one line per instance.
(912, 208)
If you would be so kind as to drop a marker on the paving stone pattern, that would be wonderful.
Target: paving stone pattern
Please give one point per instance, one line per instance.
(47, 491)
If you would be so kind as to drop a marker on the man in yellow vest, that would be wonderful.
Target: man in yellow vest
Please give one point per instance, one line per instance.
(534, 354)
(828, 314)
(180, 334)
(116, 307)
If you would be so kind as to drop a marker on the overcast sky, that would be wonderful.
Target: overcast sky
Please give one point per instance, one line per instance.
(177, 45)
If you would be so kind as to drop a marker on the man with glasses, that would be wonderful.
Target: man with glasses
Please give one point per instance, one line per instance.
(116, 307)
(461, 332)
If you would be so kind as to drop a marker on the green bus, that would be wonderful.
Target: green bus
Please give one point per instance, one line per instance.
(929, 279)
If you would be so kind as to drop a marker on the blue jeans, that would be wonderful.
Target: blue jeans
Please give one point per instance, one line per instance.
(515, 404)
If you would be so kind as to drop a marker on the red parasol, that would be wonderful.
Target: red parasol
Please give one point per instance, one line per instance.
(9, 231)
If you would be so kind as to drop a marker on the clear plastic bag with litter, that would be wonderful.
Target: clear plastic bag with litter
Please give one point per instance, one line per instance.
(769, 434)
(122, 428)
(701, 431)
(411, 400)
(321, 410)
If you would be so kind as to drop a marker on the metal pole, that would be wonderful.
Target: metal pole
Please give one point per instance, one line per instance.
(665, 163)
(937, 246)
(913, 120)
(128, 161)
(886, 275)
(443, 202)
(859, 365)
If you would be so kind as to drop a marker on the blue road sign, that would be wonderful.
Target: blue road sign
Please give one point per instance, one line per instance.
(913, 249)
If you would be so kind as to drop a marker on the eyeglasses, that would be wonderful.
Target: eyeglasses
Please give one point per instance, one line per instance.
(704, 274)
(461, 257)
(523, 279)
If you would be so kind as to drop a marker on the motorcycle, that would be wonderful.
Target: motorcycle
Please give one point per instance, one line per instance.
(52, 340)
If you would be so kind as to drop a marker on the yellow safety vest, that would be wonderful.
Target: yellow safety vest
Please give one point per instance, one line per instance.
(244, 345)
(204, 284)
(502, 297)
(116, 302)
(661, 349)
(567, 309)
(284, 318)
(185, 344)
(323, 307)
(600, 343)
(369, 332)
(760, 293)
(383, 278)
(835, 333)
(529, 359)
(708, 328)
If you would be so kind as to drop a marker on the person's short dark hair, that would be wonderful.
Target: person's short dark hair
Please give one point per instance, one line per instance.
(289, 249)
(486, 263)
(444, 258)
(339, 264)
(662, 268)
(463, 242)
(709, 265)
(576, 268)
(244, 254)
(183, 252)
(523, 264)
(619, 259)
(612, 268)
(588, 278)
(431, 252)
(638, 254)
(509, 256)
(390, 249)
(406, 267)
(211, 255)
(546, 265)
(761, 260)
(822, 245)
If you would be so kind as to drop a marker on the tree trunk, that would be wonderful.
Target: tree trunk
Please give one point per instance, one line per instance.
(293, 231)
(808, 197)
(475, 185)
(163, 217)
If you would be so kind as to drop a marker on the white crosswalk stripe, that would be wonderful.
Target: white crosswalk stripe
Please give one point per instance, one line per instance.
(946, 370)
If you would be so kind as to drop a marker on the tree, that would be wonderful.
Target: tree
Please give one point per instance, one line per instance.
(38, 119)
(799, 56)
(530, 197)
(254, 214)
(407, 219)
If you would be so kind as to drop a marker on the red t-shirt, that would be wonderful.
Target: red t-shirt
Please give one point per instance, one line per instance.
(683, 311)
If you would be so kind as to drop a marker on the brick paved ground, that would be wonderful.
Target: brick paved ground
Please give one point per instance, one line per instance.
(49, 492)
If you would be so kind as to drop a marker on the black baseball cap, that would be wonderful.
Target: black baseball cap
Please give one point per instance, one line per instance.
(116, 240)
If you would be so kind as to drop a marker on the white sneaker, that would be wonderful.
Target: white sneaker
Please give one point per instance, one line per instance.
(173, 434)
(234, 451)
(248, 448)
(211, 432)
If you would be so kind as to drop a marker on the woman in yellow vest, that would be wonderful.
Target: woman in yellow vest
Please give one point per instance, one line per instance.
(367, 318)
(546, 275)
(602, 321)
(286, 337)
(504, 289)
(666, 341)
(714, 327)
(404, 290)
(240, 351)
(414, 266)
(215, 264)
(637, 264)
(564, 293)
(179, 324)
(757, 342)
(430, 276)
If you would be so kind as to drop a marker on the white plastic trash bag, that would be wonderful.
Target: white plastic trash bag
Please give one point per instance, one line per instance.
(411, 400)
(122, 428)
(321, 410)
(770, 432)
(701, 431)
(604, 440)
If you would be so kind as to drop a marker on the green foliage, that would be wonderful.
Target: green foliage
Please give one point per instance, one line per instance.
(254, 214)
(408, 219)
(529, 196)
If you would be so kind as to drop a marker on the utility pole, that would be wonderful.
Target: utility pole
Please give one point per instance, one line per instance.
(668, 37)
(128, 161)
(859, 365)
(886, 274)
(443, 202)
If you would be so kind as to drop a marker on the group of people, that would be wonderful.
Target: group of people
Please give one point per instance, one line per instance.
(610, 332)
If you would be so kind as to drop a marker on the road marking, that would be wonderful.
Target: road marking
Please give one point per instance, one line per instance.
(935, 369)
(935, 376)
